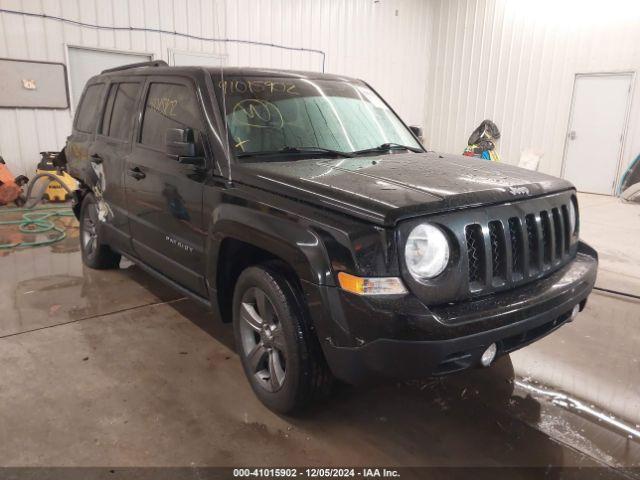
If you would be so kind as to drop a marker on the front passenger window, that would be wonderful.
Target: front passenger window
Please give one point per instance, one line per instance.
(169, 106)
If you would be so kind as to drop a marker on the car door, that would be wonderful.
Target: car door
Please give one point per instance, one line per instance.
(108, 155)
(164, 196)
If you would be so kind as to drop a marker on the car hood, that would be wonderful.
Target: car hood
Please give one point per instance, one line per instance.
(388, 188)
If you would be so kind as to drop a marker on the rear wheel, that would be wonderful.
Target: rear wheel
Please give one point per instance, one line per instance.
(95, 253)
(280, 354)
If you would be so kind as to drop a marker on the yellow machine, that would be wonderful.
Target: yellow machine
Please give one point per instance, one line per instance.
(55, 192)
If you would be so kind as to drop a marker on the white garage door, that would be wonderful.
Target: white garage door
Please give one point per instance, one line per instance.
(84, 63)
(197, 59)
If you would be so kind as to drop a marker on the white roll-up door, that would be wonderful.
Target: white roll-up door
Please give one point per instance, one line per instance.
(84, 63)
(197, 59)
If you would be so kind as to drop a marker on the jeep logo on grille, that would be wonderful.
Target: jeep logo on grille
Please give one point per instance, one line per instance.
(518, 190)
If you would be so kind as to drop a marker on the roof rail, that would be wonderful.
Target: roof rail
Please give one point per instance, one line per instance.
(153, 63)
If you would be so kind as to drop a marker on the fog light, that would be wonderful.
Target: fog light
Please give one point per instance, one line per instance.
(575, 312)
(488, 355)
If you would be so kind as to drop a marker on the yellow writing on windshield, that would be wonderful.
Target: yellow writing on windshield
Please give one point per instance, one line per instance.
(258, 86)
(257, 113)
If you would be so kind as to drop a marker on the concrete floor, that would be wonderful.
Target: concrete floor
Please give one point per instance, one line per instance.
(613, 228)
(112, 368)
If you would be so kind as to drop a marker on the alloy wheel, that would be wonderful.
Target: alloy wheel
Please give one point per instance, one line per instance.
(263, 344)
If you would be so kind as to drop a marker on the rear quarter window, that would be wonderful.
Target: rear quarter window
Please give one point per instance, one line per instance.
(90, 105)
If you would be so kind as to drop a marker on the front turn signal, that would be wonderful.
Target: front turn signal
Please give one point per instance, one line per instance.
(371, 285)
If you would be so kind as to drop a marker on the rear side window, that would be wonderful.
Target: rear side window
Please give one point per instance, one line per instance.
(87, 115)
(168, 106)
(121, 110)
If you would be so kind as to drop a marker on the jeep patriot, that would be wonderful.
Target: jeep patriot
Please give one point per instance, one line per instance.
(299, 207)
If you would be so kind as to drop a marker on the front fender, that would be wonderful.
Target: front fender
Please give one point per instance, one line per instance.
(297, 244)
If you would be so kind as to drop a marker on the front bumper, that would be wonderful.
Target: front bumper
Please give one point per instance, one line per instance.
(365, 338)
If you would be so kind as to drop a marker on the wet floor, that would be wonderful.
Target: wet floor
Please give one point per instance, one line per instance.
(113, 368)
(612, 227)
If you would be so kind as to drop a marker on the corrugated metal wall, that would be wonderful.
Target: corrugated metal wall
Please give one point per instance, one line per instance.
(383, 42)
(514, 61)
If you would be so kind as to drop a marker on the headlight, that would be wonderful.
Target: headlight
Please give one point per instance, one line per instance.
(572, 217)
(426, 252)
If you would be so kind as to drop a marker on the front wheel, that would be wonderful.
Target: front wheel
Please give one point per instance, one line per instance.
(95, 253)
(280, 354)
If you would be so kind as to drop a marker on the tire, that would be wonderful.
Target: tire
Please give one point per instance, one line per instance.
(95, 253)
(280, 353)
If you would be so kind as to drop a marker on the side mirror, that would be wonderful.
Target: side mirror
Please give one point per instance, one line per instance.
(417, 131)
(180, 145)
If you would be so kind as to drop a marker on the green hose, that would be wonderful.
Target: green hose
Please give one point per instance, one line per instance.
(37, 220)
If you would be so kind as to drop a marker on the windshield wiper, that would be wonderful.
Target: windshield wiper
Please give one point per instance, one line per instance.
(386, 147)
(303, 150)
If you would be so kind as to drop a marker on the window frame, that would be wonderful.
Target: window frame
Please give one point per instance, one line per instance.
(108, 106)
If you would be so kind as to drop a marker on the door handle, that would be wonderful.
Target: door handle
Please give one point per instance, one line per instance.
(572, 135)
(136, 173)
(95, 158)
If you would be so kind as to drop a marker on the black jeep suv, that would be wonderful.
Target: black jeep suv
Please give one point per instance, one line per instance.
(301, 208)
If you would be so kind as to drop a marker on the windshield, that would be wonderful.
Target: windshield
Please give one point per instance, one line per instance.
(271, 114)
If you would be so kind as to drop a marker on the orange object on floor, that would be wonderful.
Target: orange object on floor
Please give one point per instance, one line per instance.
(10, 186)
